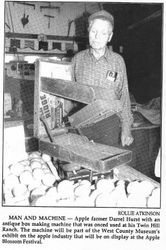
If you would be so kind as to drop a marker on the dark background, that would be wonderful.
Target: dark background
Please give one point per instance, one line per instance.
(138, 28)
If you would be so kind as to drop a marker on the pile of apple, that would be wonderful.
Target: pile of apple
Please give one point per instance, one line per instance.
(122, 193)
(35, 182)
(28, 178)
(104, 193)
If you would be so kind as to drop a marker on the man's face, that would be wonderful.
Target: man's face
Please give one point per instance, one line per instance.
(100, 34)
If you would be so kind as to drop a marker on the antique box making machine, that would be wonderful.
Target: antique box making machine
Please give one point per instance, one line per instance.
(60, 133)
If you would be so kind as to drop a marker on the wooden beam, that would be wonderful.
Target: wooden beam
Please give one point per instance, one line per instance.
(145, 20)
(36, 53)
(50, 7)
(68, 89)
(49, 37)
(78, 92)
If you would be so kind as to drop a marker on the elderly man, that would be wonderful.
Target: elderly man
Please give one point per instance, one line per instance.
(99, 66)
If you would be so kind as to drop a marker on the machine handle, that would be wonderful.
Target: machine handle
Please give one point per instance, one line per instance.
(48, 130)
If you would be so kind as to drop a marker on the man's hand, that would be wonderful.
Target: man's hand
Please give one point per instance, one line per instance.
(126, 139)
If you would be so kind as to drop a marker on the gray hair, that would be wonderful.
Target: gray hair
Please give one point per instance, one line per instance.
(101, 18)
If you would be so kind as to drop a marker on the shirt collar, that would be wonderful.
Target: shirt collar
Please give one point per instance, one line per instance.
(106, 54)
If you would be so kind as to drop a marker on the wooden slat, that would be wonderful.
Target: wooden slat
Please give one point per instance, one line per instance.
(90, 113)
(77, 91)
(49, 37)
(94, 112)
(93, 156)
(36, 99)
(128, 173)
(67, 89)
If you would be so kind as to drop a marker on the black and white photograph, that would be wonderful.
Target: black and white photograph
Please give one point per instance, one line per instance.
(82, 124)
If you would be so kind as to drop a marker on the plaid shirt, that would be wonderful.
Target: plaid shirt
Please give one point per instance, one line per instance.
(108, 72)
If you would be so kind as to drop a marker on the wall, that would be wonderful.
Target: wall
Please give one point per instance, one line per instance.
(38, 23)
(69, 20)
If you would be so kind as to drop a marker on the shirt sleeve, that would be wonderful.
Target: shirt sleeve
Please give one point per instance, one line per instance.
(123, 93)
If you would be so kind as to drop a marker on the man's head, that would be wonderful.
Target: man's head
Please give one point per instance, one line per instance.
(101, 26)
(102, 15)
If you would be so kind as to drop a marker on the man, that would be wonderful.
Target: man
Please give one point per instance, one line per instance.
(99, 66)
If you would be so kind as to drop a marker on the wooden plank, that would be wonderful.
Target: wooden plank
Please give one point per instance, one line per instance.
(53, 61)
(36, 99)
(78, 91)
(90, 113)
(68, 89)
(49, 37)
(128, 173)
(94, 112)
(93, 156)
